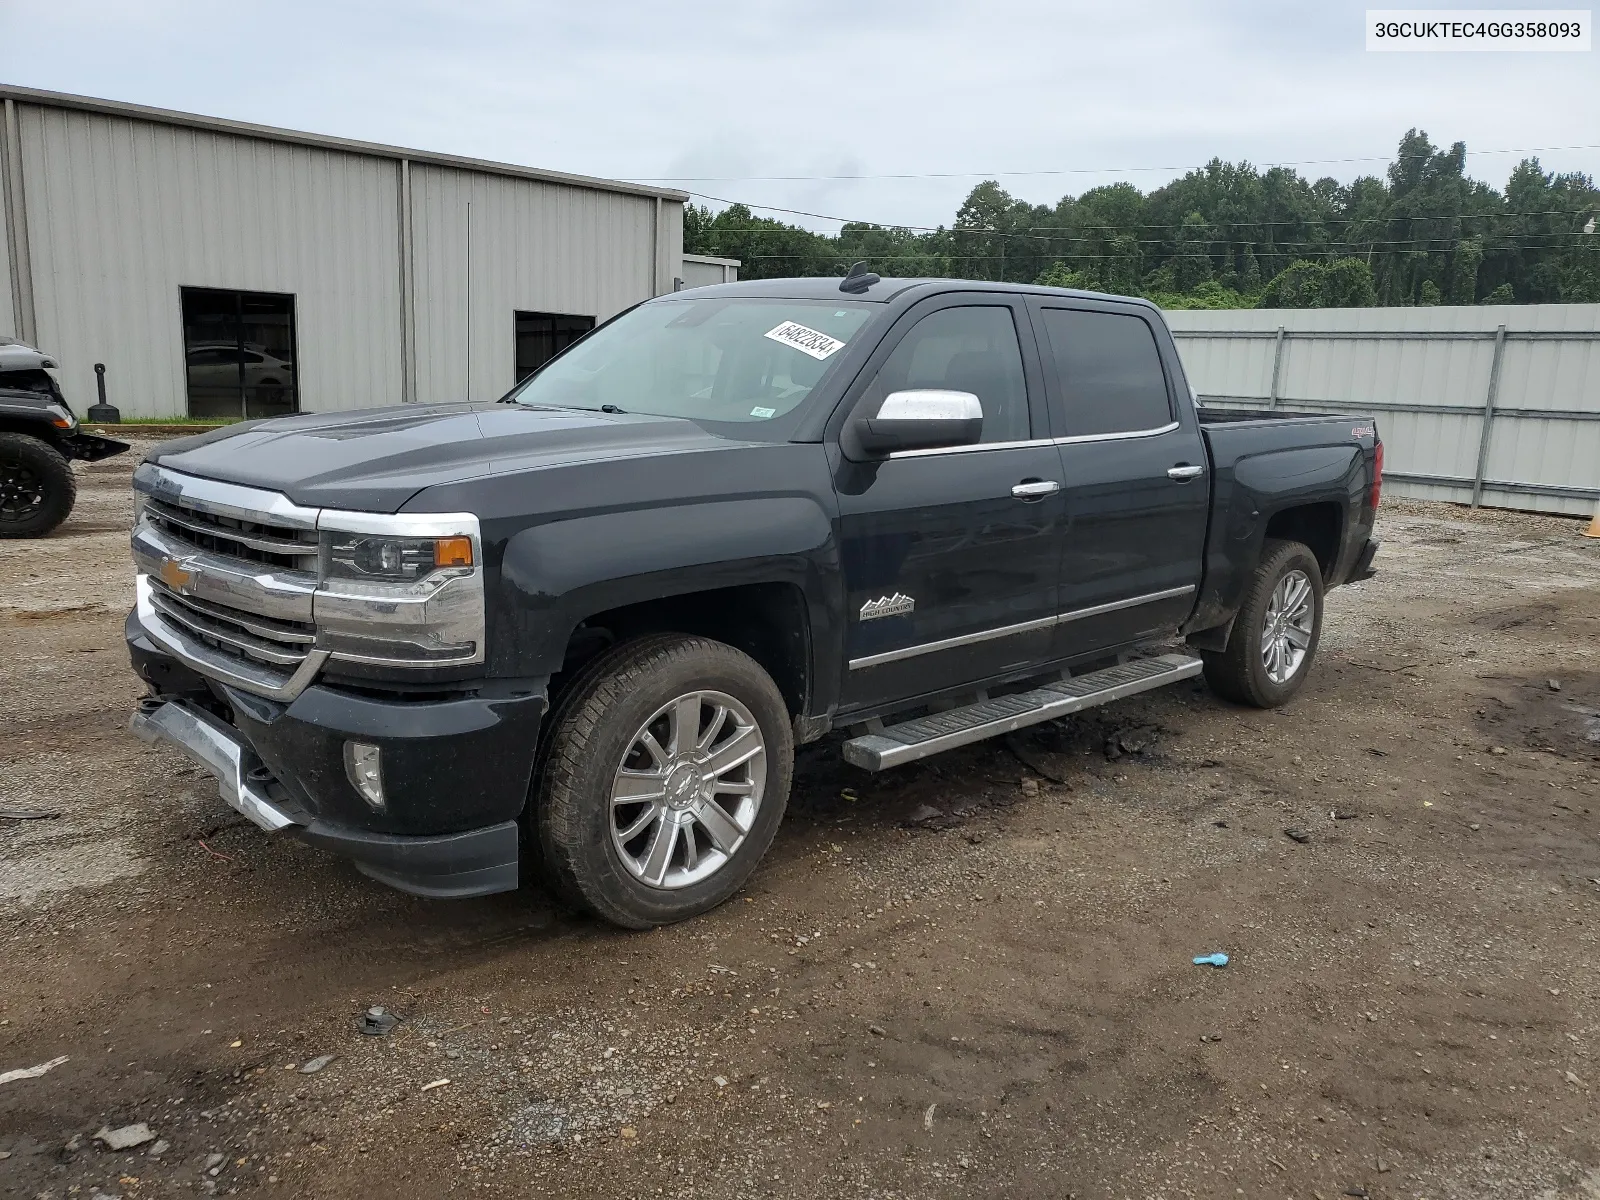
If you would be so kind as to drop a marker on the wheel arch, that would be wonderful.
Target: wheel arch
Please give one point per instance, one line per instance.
(1318, 526)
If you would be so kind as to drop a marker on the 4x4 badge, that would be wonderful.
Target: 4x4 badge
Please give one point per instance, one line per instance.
(896, 605)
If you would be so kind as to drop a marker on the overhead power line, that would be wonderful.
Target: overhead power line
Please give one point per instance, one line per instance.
(1221, 231)
(799, 212)
(1302, 162)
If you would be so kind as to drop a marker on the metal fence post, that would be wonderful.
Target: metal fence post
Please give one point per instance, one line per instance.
(1277, 368)
(1488, 415)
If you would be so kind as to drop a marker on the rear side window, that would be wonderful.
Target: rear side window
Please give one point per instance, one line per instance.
(969, 349)
(1110, 372)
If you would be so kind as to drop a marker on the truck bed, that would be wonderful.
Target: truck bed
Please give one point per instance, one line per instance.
(1233, 416)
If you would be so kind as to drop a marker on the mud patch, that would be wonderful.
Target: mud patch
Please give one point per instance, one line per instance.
(1532, 714)
(1502, 619)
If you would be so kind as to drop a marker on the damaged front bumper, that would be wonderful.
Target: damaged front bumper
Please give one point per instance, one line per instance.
(477, 862)
(456, 769)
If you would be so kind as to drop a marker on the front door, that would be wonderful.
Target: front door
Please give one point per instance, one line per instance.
(951, 556)
(1133, 474)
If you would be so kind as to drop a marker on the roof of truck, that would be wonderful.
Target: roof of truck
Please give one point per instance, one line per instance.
(884, 291)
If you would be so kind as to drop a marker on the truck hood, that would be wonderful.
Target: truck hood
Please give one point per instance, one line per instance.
(376, 460)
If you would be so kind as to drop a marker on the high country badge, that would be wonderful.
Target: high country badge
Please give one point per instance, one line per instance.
(897, 605)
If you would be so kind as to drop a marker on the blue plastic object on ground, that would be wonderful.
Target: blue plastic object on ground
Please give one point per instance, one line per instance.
(1211, 960)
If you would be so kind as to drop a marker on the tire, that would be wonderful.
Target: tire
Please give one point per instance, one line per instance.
(596, 750)
(37, 488)
(1241, 672)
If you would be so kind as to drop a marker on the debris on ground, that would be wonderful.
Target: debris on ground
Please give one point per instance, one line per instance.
(1211, 960)
(377, 1021)
(1029, 756)
(316, 1064)
(1296, 834)
(29, 814)
(437, 1083)
(31, 1072)
(126, 1137)
(924, 814)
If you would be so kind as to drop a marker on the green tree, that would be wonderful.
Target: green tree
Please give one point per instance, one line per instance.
(1058, 274)
(1193, 265)
(1343, 283)
(1424, 232)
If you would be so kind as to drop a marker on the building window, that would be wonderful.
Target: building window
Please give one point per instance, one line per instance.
(238, 350)
(542, 336)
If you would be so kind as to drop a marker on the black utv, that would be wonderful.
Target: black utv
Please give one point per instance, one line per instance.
(38, 435)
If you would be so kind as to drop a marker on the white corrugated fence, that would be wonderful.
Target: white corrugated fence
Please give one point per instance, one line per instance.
(1496, 405)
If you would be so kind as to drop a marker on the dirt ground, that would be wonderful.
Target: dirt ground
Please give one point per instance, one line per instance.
(970, 977)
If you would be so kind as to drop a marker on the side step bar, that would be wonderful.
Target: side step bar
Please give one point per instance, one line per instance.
(961, 726)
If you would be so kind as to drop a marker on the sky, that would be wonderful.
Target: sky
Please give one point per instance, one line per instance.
(719, 96)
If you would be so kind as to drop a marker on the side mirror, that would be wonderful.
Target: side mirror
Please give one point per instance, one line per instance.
(921, 420)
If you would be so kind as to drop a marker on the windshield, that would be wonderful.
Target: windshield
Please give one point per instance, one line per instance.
(745, 361)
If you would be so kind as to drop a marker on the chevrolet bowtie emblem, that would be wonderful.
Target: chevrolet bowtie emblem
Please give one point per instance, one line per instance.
(897, 605)
(175, 575)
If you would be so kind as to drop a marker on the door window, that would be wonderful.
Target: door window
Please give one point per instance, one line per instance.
(1109, 372)
(239, 354)
(968, 349)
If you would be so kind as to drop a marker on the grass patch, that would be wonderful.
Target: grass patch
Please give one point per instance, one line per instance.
(176, 421)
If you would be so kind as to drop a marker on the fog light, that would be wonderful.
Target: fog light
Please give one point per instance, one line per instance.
(363, 764)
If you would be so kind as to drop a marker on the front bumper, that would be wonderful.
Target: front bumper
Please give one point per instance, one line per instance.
(456, 771)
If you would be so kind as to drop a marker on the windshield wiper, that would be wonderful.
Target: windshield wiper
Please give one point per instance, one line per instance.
(605, 408)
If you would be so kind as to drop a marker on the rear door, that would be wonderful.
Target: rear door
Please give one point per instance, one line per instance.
(951, 556)
(1134, 474)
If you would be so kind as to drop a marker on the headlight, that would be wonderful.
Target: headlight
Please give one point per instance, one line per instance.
(400, 590)
(394, 559)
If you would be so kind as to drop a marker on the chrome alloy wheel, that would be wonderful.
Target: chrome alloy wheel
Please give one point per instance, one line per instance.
(1286, 633)
(688, 789)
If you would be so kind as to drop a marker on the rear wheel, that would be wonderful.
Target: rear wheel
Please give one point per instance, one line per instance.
(665, 778)
(37, 489)
(1275, 635)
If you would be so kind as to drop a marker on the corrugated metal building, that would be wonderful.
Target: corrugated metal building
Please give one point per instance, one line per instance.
(1498, 405)
(700, 270)
(219, 269)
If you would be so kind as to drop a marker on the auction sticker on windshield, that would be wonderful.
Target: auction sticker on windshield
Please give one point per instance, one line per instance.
(807, 341)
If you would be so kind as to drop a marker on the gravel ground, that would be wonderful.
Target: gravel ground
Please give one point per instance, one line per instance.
(969, 977)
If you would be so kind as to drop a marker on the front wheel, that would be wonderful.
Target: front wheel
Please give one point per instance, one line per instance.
(665, 778)
(37, 488)
(1274, 637)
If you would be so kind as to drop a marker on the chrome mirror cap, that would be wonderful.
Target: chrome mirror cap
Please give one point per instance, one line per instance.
(922, 419)
(930, 404)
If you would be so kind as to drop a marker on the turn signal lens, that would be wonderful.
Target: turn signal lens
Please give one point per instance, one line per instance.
(452, 552)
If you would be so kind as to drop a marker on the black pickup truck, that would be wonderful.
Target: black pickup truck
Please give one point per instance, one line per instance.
(580, 631)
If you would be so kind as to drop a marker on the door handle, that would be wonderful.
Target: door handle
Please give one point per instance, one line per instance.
(1184, 472)
(1035, 489)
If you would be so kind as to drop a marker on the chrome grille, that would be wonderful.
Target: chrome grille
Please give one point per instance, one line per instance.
(253, 541)
(269, 640)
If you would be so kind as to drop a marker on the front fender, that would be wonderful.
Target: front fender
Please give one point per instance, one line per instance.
(554, 576)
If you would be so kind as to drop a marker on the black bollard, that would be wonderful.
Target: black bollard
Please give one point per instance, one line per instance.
(103, 413)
